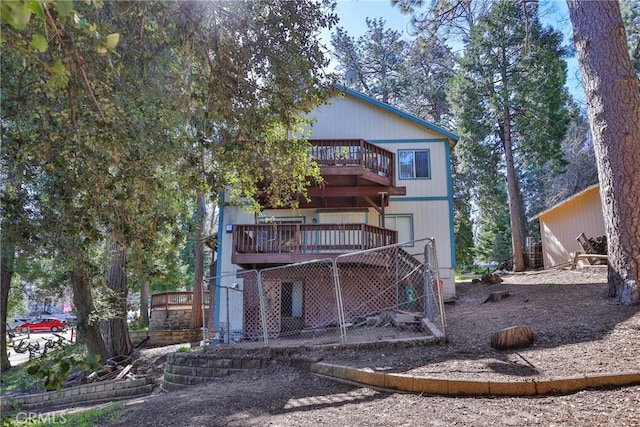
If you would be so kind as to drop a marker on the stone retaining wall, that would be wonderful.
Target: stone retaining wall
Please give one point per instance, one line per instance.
(101, 391)
(184, 369)
(171, 319)
(166, 337)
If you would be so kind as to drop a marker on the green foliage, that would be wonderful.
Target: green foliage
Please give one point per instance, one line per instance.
(375, 62)
(54, 367)
(17, 380)
(383, 65)
(16, 302)
(631, 16)
(37, 20)
(184, 350)
(98, 416)
(115, 146)
(494, 232)
(87, 418)
(509, 97)
(33, 376)
(137, 325)
(108, 304)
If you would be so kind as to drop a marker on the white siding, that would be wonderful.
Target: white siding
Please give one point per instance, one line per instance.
(437, 184)
(348, 117)
(560, 226)
(389, 131)
(231, 215)
(430, 219)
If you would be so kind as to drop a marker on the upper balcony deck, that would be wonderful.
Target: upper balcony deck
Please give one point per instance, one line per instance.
(354, 158)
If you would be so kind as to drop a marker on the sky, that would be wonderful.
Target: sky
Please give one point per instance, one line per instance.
(352, 16)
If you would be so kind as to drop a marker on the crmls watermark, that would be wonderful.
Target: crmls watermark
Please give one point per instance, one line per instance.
(27, 418)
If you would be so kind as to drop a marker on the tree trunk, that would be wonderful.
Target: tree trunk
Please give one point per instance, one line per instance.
(116, 330)
(515, 206)
(7, 258)
(144, 302)
(88, 331)
(613, 105)
(196, 306)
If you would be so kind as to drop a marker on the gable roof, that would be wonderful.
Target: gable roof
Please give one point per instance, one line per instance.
(398, 112)
(576, 196)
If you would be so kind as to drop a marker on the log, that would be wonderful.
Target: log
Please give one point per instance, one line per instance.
(513, 337)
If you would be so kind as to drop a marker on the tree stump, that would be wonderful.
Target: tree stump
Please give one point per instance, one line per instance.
(496, 296)
(513, 337)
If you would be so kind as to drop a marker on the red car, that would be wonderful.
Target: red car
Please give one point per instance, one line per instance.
(42, 325)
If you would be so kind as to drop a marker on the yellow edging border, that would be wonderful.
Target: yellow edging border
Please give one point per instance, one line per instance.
(450, 387)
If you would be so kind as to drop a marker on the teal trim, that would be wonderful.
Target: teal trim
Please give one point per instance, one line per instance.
(398, 112)
(221, 233)
(289, 218)
(418, 199)
(408, 141)
(450, 192)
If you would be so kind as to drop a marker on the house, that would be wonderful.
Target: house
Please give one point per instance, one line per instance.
(561, 225)
(387, 180)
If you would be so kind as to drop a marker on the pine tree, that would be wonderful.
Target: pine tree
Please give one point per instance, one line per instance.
(509, 102)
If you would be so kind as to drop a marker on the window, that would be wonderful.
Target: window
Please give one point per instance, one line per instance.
(403, 224)
(414, 164)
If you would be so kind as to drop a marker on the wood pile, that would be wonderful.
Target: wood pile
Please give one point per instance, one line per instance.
(116, 368)
(506, 265)
(599, 244)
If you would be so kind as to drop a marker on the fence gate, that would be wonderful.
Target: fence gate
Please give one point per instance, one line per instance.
(388, 292)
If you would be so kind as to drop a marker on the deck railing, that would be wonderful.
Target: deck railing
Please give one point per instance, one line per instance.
(353, 152)
(309, 238)
(175, 300)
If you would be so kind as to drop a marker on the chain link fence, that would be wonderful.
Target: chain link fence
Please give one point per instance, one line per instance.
(235, 309)
(391, 292)
(384, 293)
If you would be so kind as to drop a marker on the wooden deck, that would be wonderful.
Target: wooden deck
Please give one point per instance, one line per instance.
(179, 300)
(337, 155)
(262, 245)
(356, 173)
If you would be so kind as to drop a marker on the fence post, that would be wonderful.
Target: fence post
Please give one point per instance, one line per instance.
(263, 309)
(339, 304)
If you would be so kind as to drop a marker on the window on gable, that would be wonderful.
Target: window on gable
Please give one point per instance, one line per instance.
(414, 164)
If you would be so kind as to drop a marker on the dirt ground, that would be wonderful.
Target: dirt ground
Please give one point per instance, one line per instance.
(577, 331)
